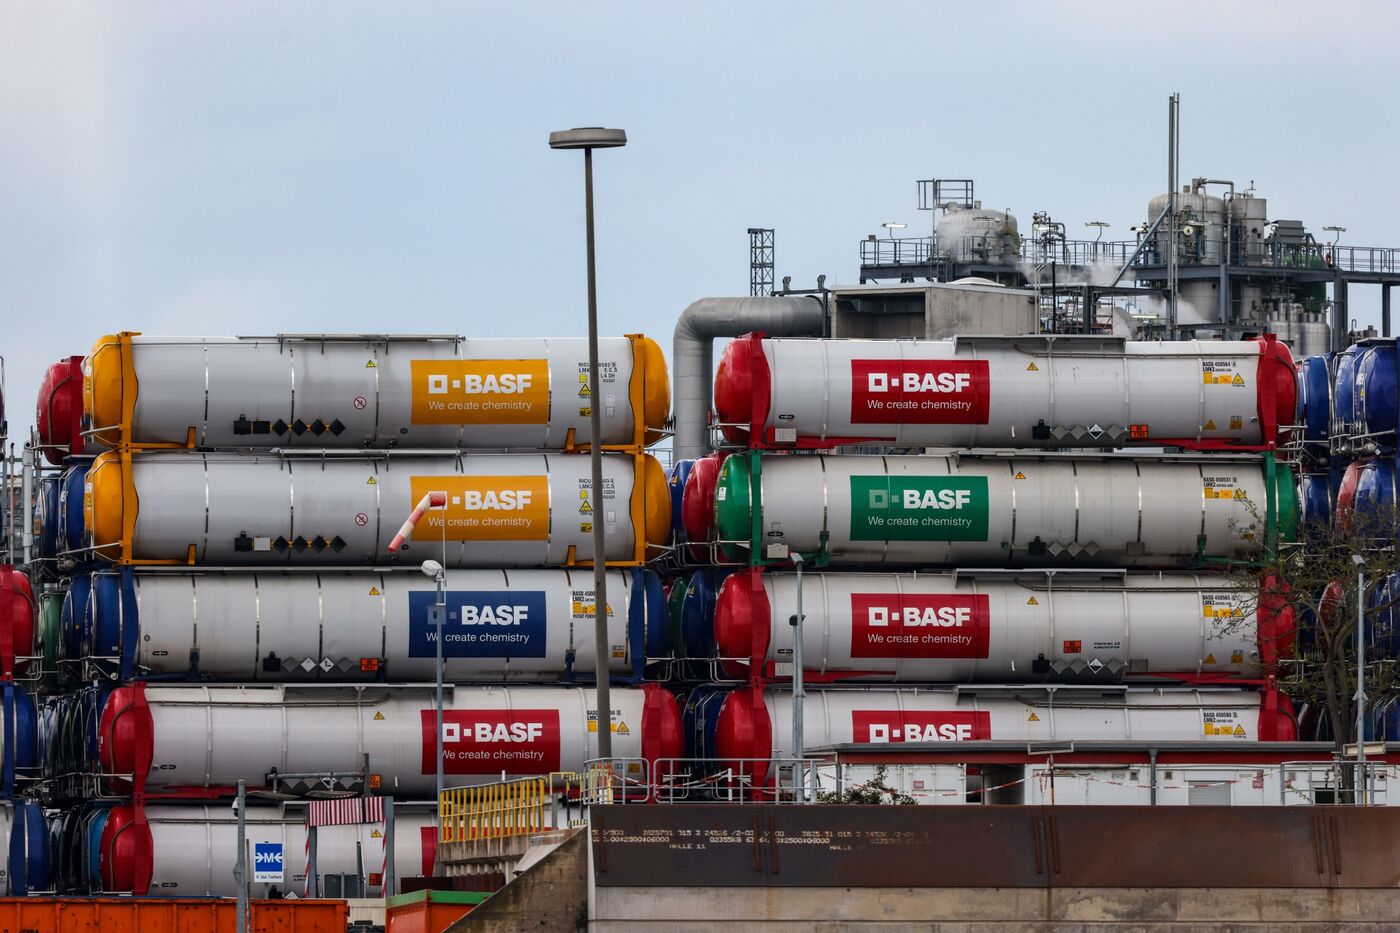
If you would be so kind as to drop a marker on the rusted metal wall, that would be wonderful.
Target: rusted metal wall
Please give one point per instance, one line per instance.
(991, 846)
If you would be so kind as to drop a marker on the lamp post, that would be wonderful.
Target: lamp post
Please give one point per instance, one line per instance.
(589, 138)
(799, 692)
(436, 499)
(432, 568)
(1359, 792)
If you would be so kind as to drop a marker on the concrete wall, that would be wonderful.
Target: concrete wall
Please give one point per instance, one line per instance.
(549, 897)
(985, 910)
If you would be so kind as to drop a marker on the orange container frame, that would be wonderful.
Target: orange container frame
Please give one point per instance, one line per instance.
(429, 911)
(168, 915)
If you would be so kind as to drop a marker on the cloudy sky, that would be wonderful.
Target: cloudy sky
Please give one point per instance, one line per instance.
(262, 167)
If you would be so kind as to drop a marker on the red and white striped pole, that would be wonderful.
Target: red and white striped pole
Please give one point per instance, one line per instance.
(433, 500)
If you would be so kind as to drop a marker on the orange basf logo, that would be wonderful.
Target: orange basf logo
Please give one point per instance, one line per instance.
(480, 391)
(484, 508)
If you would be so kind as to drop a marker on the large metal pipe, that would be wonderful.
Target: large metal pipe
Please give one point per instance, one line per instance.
(693, 351)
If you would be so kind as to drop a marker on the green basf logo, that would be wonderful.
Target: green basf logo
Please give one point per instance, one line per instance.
(918, 508)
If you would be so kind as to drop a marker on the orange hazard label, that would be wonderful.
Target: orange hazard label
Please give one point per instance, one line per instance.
(480, 391)
(484, 508)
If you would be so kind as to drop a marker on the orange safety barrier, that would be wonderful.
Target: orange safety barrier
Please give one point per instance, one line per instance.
(168, 915)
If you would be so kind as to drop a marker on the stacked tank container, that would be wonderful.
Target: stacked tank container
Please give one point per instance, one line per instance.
(231, 611)
(996, 544)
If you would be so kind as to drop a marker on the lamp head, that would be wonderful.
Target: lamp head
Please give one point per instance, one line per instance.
(431, 568)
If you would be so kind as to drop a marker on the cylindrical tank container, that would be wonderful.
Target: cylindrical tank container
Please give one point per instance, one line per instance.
(1250, 225)
(195, 736)
(1200, 227)
(1305, 332)
(977, 235)
(1315, 406)
(26, 867)
(1344, 392)
(1027, 391)
(18, 610)
(262, 509)
(1315, 502)
(59, 414)
(148, 850)
(71, 526)
(19, 738)
(377, 392)
(1376, 402)
(353, 625)
(698, 505)
(46, 496)
(1006, 628)
(1005, 511)
(757, 724)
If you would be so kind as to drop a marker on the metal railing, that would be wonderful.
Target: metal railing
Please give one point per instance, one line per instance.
(506, 808)
(1360, 260)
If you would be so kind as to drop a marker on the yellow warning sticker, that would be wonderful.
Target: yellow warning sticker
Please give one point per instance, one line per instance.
(1210, 425)
(583, 391)
(374, 591)
(378, 716)
(1238, 380)
(376, 834)
(1236, 422)
(371, 482)
(1237, 657)
(1221, 722)
(1032, 602)
(369, 364)
(585, 508)
(1032, 718)
(1020, 475)
(1210, 659)
(622, 729)
(1032, 368)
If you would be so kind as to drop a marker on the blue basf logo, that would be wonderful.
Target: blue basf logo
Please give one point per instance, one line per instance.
(267, 862)
(479, 624)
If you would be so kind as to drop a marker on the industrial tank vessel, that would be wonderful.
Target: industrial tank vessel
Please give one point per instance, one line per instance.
(59, 414)
(196, 736)
(360, 391)
(354, 625)
(752, 723)
(1028, 391)
(525, 510)
(1003, 627)
(189, 850)
(27, 865)
(1002, 510)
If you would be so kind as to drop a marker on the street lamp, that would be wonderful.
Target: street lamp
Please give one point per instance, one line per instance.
(892, 227)
(799, 691)
(1360, 790)
(589, 138)
(432, 568)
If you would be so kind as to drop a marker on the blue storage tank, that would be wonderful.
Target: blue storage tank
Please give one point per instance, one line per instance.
(699, 720)
(1376, 403)
(1343, 391)
(1375, 487)
(676, 477)
(72, 624)
(1316, 502)
(46, 515)
(70, 506)
(30, 855)
(698, 612)
(1315, 406)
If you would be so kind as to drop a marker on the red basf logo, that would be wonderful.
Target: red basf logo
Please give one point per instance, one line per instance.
(880, 726)
(919, 391)
(517, 741)
(903, 625)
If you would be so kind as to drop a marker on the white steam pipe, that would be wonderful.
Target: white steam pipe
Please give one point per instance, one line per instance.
(693, 352)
